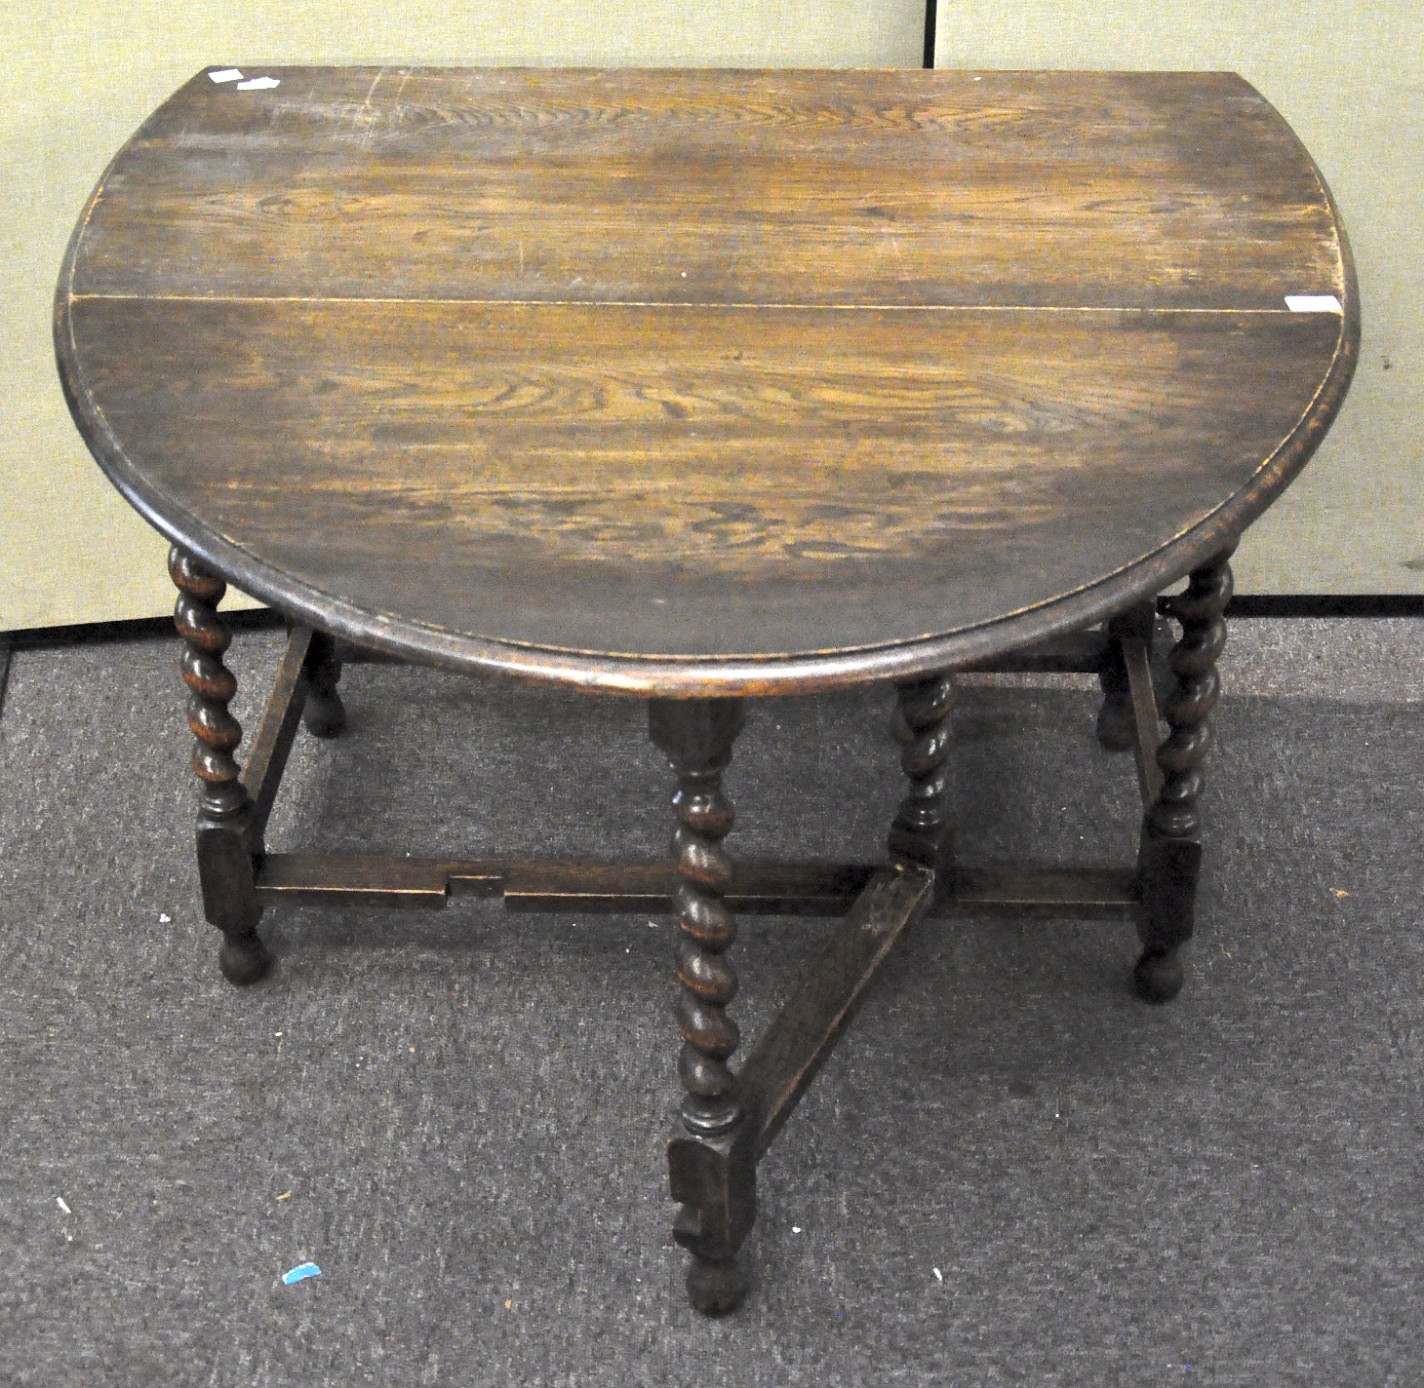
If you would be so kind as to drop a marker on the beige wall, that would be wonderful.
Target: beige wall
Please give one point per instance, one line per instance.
(80, 78)
(1349, 76)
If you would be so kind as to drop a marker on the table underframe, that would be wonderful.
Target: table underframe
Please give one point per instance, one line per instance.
(728, 1120)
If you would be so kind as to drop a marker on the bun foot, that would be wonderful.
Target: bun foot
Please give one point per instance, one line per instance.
(1117, 728)
(715, 1288)
(324, 715)
(1158, 976)
(243, 959)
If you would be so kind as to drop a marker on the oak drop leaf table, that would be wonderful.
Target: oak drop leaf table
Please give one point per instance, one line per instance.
(702, 386)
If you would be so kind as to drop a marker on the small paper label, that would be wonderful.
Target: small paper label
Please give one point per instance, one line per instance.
(1313, 303)
(259, 84)
(228, 74)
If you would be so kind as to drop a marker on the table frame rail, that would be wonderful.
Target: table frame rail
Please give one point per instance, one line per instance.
(758, 888)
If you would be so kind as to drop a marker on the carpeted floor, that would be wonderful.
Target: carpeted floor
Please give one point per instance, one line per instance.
(1010, 1173)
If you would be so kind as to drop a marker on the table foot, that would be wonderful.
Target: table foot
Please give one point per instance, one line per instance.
(1159, 975)
(715, 1288)
(713, 1176)
(711, 1164)
(226, 832)
(243, 959)
(323, 713)
(1169, 857)
(1116, 729)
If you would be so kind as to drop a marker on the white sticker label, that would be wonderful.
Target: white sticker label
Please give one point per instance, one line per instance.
(1313, 303)
(228, 74)
(259, 84)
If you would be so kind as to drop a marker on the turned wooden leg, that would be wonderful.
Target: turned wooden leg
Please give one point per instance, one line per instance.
(225, 833)
(1169, 859)
(921, 832)
(1117, 725)
(323, 713)
(711, 1158)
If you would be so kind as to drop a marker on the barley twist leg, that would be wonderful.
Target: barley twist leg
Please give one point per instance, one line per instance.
(920, 833)
(711, 1164)
(1169, 861)
(224, 831)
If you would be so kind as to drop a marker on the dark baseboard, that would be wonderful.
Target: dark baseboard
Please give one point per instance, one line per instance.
(139, 629)
(1326, 605)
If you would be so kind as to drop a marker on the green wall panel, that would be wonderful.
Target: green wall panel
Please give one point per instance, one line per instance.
(79, 79)
(1347, 75)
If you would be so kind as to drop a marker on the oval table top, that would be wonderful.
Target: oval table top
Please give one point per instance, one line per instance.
(706, 382)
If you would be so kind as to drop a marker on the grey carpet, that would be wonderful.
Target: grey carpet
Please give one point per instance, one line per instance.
(1011, 1172)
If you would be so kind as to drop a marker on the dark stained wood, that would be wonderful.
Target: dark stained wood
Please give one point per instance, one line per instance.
(1152, 190)
(1116, 728)
(920, 833)
(272, 743)
(1142, 692)
(717, 1193)
(620, 480)
(712, 1176)
(703, 384)
(323, 713)
(211, 686)
(697, 737)
(1136, 679)
(1080, 652)
(1169, 858)
(776, 889)
(706, 383)
(802, 1035)
(755, 888)
(226, 828)
(316, 879)
(793, 1048)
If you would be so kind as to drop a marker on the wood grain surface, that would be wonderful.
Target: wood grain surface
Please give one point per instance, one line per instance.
(701, 382)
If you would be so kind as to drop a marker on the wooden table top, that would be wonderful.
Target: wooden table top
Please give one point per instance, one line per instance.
(706, 382)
